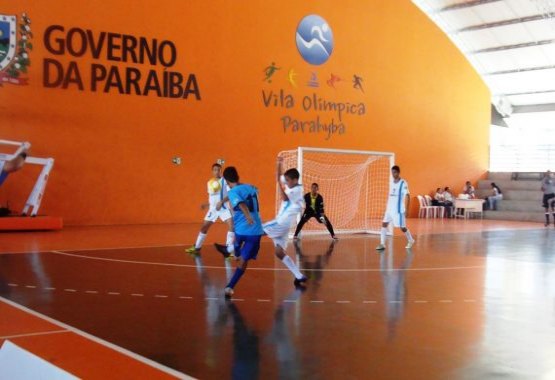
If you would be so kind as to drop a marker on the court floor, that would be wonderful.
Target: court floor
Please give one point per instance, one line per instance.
(472, 300)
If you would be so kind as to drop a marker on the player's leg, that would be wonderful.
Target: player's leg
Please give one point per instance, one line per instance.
(328, 225)
(305, 218)
(225, 216)
(553, 208)
(280, 243)
(249, 247)
(401, 222)
(201, 237)
(545, 204)
(383, 232)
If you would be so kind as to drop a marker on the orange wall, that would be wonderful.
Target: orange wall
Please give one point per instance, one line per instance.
(113, 152)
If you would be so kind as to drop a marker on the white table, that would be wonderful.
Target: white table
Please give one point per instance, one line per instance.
(469, 206)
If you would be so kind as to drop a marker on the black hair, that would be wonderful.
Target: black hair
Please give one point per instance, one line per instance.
(446, 188)
(231, 175)
(23, 155)
(438, 189)
(292, 173)
(216, 165)
(396, 168)
(315, 184)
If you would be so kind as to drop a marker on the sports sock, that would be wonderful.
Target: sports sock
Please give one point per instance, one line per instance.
(383, 234)
(200, 240)
(292, 267)
(409, 236)
(236, 277)
(230, 242)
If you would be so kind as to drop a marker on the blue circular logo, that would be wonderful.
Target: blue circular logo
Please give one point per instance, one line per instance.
(314, 39)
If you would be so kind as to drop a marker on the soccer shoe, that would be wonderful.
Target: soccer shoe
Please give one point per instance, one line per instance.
(380, 247)
(228, 293)
(300, 282)
(410, 244)
(335, 238)
(223, 250)
(193, 250)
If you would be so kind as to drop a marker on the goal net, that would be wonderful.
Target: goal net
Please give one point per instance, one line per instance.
(354, 185)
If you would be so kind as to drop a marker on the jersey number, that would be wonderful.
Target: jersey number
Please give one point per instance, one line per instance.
(252, 203)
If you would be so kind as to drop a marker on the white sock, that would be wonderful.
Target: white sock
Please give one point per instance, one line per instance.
(383, 234)
(409, 236)
(200, 240)
(292, 267)
(230, 242)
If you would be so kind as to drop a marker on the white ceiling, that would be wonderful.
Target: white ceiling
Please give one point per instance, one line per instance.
(511, 43)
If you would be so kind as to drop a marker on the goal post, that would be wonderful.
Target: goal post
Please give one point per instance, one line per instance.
(354, 184)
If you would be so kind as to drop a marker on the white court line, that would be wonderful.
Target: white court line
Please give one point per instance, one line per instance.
(369, 301)
(13, 285)
(114, 293)
(259, 300)
(100, 341)
(420, 301)
(137, 295)
(70, 290)
(91, 291)
(186, 298)
(316, 301)
(31, 286)
(160, 296)
(34, 334)
(255, 268)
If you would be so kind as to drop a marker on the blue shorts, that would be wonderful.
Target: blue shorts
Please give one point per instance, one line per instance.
(247, 246)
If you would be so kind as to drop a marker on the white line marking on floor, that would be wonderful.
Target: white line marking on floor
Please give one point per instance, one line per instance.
(114, 293)
(31, 286)
(137, 295)
(259, 300)
(49, 288)
(186, 298)
(316, 301)
(369, 301)
(160, 296)
(420, 301)
(98, 340)
(290, 301)
(34, 334)
(13, 285)
(91, 291)
(237, 299)
(343, 301)
(70, 290)
(211, 299)
(255, 268)
(395, 301)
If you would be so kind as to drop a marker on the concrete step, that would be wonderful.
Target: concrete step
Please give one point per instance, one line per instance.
(521, 206)
(510, 185)
(515, 215)
(514, 195)
(499, 176)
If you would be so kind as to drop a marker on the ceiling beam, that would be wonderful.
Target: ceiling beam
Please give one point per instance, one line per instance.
(518, 71)
(498, 24)
(549, 107)
(468, 4)
(512, 47)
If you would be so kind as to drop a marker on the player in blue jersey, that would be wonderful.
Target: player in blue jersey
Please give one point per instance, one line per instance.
(248, 227)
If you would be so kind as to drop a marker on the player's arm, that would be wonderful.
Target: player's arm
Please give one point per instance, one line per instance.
(246, 212)
(279, 170)
(221, 203)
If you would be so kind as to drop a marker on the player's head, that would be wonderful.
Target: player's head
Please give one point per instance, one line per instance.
(314, 188)
(493, 185)
(468, 183)
(217, 170)
(231, 176)
(447, 189)
(292, 177)
(548, 174)
(396, 171)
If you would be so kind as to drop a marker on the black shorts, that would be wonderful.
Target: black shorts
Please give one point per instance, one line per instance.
(547, 198)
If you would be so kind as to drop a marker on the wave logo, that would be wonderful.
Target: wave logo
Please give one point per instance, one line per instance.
(314, 39)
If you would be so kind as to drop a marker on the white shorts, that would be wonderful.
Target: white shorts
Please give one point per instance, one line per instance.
(398, 219)
(212, 215)
(278, 232)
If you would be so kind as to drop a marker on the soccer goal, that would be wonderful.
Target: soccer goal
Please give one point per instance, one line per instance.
(354, 184)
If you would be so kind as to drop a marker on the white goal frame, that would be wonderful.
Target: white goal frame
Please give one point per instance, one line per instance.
(35, 198)
(300, 155)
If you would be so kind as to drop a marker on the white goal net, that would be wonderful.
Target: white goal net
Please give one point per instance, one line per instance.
(354, 185)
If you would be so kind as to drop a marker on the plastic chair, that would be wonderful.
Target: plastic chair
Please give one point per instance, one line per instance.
(424, 210)
(438, 211)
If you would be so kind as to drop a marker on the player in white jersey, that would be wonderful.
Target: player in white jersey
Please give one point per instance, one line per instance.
(396, 208)
(292, 204)
(217, 191)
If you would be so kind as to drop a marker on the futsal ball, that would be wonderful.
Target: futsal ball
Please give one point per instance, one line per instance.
(215, 185)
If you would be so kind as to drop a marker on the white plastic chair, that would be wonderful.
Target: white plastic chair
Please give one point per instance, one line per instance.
(437, 211)
(424, 210)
